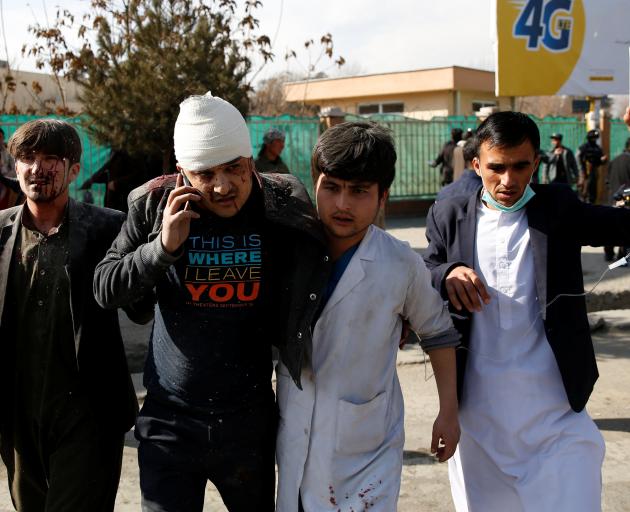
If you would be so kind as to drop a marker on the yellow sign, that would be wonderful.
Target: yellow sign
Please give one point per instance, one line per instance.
(548, 47)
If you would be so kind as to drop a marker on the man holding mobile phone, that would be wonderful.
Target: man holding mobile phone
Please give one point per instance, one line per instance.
(223, 254)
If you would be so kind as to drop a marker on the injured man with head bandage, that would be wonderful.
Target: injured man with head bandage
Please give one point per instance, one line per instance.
(236, 261)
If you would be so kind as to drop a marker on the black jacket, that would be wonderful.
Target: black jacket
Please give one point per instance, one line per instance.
(136, 260)
(103, 372)
(559, 225)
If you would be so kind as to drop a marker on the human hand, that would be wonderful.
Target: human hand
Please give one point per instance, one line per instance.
(177, 216)
(465, 289)
(604, 159)
(445, 435)
(558, 151)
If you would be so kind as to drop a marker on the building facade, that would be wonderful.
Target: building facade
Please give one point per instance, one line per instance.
(421, 94)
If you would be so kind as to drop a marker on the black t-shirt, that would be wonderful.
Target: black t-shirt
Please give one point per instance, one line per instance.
(211, 346)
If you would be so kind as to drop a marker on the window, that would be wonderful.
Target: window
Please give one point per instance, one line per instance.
(366, 110)
(478, 105)
(393, 108)
(381, 108)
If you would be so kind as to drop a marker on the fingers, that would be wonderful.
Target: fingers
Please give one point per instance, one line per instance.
(443, 446)
(178, 201)
(435, 442)
(453, 296)
(466, 289)
(180, 189)
(481, 288)
(461, 291)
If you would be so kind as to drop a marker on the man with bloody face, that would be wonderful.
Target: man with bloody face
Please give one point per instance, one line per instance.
(67, 398)
(508, 261)
(231, 255)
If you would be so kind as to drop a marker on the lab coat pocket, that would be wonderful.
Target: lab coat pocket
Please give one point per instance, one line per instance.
(361, 427)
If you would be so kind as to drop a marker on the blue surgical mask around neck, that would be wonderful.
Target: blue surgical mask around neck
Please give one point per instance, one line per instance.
(524, 199)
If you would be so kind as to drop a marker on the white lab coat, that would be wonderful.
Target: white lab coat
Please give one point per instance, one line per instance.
(340, 439)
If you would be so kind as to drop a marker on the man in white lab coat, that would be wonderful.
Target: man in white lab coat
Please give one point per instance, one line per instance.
(341, 437)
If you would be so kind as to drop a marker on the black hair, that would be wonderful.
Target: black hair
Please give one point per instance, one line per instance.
(48, 136)
(469, 150)
(508, 129)
(360, 150)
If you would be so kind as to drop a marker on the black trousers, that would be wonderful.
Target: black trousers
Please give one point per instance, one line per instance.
(179, 452)
(68, 463)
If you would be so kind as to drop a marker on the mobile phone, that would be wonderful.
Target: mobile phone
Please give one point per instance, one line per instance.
(186, 180)
(187, 206)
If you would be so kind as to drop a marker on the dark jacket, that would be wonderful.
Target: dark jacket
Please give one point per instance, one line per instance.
(550, 172)
(559, 225)
(445, 159)
(136, 260)
(263, 164)
(103, 372)
(618, 174)
(466, 185)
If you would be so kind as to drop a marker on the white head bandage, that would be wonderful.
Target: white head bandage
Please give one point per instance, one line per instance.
(209, 131)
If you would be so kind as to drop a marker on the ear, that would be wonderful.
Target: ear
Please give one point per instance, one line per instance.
(477, 165)
(383, 199)
(73, 172)
(535, 165)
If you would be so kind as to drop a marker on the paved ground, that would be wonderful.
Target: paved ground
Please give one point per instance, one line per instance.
(425, 482)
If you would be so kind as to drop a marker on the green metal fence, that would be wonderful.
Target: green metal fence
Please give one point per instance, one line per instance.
(301, 135)
(417, 144)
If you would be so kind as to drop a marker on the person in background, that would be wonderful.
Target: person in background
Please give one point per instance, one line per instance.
(459, 162)
(626, 117)
(445, 158)
(469, 182)
(9, 188)
(269, 159)
(560, 165)
(618, 180)
(590, 158)
(67, 397)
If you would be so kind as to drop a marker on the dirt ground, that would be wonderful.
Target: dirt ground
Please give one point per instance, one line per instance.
(425, 482)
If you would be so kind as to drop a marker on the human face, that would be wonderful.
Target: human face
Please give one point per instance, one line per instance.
(225, 188)
(506, 171)
(43, 178)
(556, 143)
(275, 148)
(346, 209)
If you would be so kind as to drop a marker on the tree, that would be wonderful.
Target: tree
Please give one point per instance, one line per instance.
(269, 99)
(138, 59)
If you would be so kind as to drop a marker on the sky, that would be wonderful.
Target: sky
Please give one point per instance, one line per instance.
(373, 36)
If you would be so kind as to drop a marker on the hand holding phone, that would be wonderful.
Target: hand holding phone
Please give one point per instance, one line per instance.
(188, 184)
(177, 215)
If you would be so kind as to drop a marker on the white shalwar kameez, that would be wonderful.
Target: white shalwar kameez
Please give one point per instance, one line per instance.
(522, 446)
